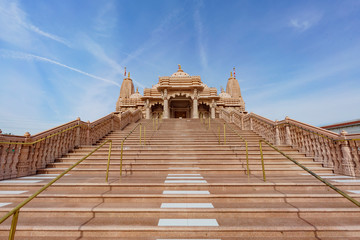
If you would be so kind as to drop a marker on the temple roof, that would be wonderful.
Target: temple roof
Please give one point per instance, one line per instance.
(180, 73)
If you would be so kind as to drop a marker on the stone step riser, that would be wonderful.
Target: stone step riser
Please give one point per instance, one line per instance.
(151, 172)
(177, 214)
(166, 166)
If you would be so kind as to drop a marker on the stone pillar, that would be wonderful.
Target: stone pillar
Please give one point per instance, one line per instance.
(23, 164)
(166, 105)
(77, 138)
(346, 161)
(147, 111)
(287, 133)
(88, 141)
(195, 105)
(213, 106)
(242, 122)
(277, 134)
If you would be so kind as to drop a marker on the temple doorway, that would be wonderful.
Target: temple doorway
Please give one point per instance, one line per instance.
(180, 107)
(157, 110)
(204, 110)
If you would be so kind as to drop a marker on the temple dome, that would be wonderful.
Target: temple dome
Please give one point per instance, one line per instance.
(136, 94)
(224, 95)
(180, 73)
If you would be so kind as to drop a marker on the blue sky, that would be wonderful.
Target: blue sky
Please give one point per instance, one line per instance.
(61, 59)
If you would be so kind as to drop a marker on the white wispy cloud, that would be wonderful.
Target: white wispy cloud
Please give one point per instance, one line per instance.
(15, 27)
(304, 21)
(106, 19)
(29, 57)
(200, 36)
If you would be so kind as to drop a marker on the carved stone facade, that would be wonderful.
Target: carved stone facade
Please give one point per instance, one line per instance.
(180, 96)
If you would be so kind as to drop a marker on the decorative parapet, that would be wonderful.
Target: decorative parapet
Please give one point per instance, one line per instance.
(22, 156)
(338, 151)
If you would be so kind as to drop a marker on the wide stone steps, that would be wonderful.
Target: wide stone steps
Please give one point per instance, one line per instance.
(183, 185)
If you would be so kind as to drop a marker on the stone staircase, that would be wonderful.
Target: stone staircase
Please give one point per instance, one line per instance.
(183, 184)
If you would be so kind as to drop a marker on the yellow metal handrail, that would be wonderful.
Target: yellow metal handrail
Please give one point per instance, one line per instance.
(246, 148)
(122, 146)
(310, 172)
(246, 143)
(42, 139)
(16, 210)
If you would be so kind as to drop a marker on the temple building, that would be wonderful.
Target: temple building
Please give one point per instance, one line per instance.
(180, 96)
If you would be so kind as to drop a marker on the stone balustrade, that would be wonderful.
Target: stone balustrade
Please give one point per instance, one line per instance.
(24, 155)
(338, 151)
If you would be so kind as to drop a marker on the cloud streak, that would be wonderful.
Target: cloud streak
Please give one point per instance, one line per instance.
(305, 21)
(29, 57)
(200, 37)
(14, 25)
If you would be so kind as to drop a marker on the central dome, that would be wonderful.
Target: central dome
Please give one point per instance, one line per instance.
(180, 73)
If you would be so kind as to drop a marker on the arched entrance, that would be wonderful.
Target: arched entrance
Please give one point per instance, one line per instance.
(157, 110)
(180, 107)
(204, 110)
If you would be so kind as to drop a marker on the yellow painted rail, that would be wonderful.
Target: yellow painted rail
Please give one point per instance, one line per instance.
(354, 201)
(42, 139)
(224, 140)
(246, 148)
(16, 210)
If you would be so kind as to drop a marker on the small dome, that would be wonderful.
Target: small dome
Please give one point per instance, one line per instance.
(180, 73)
(155, 86)
(136, 94)
(224, 95)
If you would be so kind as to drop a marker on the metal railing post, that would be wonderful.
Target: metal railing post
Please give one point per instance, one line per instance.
(121, 157)
(247, 159)
(219, 133)
(140, 134)
(108, 163)
(144, 135)
(224, 133)
(262, 161)
(13, 225)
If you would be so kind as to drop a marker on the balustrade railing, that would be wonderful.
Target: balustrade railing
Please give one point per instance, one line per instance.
(24, 155)
(338, 151)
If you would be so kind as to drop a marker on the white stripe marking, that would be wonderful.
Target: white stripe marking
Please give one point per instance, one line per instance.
(180, 174)
(5, 204)
(186, 192)
(347, 181)
(187, 205)
(184, 178)
(183, 168)
(320, 174)
(37, 177)
(20, 181)
(184, 162)
(12, 192)
(188, 222)
(354, 191)
(185, 181)
(336, 177)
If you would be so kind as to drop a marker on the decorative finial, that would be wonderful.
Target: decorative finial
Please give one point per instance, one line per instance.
(222, 89)
(137, 89)
(27, 134)
(0, 131)
(230, 74)
(129, 75)
(179, 66)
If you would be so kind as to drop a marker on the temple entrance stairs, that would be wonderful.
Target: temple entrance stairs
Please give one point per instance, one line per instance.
(181, 183)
